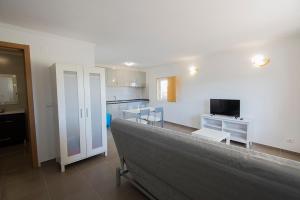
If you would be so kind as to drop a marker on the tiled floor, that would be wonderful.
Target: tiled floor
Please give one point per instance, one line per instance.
(93, 178)
(90, 179)
(256, 147)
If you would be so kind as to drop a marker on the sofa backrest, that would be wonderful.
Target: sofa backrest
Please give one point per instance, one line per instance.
(194, 168)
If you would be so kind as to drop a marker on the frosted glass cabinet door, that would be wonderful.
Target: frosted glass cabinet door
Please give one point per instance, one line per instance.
(95, 111)
(71, 104)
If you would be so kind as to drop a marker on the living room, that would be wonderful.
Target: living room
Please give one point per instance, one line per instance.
(145, 100)
(267, 94)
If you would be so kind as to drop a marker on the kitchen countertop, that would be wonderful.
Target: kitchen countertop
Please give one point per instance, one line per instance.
(126, 101)
(12, 112)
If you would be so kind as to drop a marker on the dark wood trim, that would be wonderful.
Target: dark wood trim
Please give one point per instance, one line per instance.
(30, 107)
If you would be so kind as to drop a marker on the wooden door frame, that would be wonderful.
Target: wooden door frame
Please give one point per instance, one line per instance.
(30, 119)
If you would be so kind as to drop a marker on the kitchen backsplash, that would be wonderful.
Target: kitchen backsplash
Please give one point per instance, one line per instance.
(123, 93)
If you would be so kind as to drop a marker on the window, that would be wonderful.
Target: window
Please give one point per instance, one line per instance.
(162, 89)
(166, 89)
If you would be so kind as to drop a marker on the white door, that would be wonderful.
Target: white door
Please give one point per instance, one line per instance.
(70, 98)
(95, 110)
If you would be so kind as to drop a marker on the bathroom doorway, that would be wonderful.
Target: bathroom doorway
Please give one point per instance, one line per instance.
(17, 124)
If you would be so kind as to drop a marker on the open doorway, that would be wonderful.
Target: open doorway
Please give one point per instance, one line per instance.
(17, 125)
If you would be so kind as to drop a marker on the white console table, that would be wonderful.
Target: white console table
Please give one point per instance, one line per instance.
(238, 129)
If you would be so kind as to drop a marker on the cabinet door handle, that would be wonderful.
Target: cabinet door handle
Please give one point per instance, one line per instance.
(87, 112)
(81, 113)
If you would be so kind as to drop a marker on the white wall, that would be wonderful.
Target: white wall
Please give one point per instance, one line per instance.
(45, 50)
(270, 95)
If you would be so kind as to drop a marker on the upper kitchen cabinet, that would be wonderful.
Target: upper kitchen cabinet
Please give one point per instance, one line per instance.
(125, 78)
(111, 77)
(140, 79)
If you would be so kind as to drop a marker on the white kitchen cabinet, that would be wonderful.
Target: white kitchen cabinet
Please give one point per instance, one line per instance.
(79, 99)
(125, 78)
(111, 77)
(132, 82)
(137, 79)
(140, 79)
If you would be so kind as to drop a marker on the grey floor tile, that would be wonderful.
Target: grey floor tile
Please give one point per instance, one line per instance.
(31, 187)
(68, 185)
(290, 155)
(266, 149)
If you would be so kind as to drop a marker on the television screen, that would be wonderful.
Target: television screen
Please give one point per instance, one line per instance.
(225, 107)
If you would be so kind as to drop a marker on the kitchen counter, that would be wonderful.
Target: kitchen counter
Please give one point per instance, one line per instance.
(126, 101)
(115, 108)
(12, 112)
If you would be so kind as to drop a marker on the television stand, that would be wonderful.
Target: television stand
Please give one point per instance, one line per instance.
(238, 128)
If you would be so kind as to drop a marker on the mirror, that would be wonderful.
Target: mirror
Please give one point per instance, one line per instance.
(8, 89)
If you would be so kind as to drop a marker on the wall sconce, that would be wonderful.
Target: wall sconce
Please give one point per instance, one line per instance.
(260, 60)
(193, 70)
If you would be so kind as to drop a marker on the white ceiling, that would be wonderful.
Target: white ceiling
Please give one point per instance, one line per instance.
(156, 32)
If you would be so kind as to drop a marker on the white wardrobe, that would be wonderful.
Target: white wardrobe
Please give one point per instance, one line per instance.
(79, 99)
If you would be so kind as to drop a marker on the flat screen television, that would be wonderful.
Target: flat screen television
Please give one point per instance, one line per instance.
(227, 107)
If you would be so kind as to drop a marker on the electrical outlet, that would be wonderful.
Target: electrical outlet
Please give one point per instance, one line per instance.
(290, 140)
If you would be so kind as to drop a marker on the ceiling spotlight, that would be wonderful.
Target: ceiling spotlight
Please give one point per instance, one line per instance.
(129, 64)
(260, 60)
